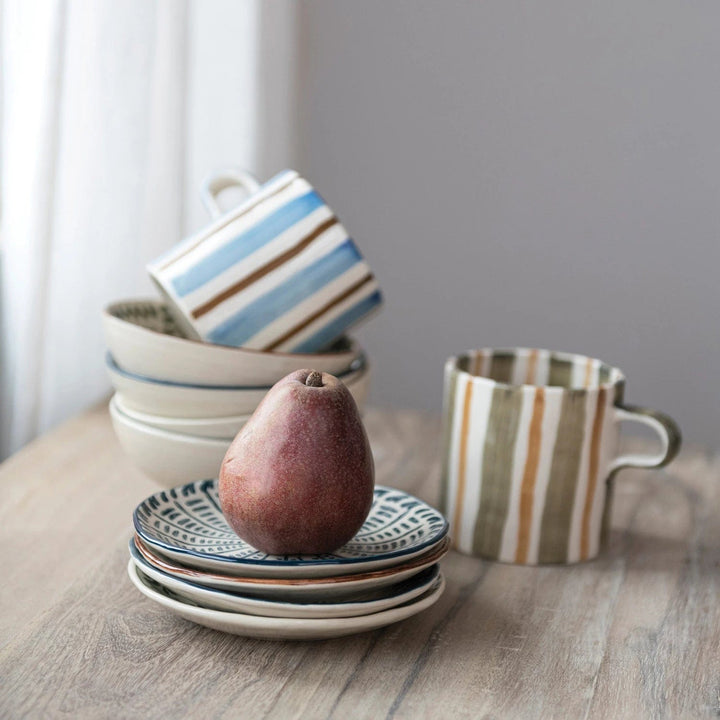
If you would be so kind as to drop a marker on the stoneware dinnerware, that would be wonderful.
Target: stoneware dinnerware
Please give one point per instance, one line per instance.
(273, 628)
(145, 340)
(159, 397)
(169, 458)
(187, 525)
(278, 272)
(221, 427)
(362, 604)
(530, 451)
(297, 589)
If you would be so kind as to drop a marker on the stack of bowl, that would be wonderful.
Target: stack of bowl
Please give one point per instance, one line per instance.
(179, 402)
(185, 557)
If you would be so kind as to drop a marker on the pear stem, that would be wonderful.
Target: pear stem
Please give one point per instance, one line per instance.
(314, 379)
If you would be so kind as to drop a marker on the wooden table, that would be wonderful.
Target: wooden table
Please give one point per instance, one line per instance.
(635, 634)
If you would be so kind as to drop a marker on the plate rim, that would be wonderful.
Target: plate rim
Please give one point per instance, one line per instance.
(291, 563)
(421, 561)
(296, 571)
(276, 604)
(432, 594)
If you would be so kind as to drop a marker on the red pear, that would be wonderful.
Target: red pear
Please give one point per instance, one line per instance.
(299, 476)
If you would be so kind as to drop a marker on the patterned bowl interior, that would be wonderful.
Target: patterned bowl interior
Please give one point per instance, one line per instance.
(155, 316)
(149, 315)
(188, 519)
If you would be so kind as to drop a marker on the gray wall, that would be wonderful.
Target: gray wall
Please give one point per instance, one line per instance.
(527, 173)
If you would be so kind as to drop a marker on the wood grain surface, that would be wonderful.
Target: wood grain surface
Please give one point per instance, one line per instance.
(633, 634)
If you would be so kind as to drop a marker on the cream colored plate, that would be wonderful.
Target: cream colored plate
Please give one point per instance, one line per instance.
(362, 604)
(280, 628)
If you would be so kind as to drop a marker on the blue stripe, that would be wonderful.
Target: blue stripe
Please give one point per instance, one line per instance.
(254, 317)
(246, 243)
(322, 338)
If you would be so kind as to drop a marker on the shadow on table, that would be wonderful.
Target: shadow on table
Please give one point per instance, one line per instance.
(644, 551)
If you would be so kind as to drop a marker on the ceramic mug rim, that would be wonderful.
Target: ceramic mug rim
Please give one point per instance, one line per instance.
(617, 376)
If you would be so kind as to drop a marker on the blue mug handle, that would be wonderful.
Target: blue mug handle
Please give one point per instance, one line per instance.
(220, 180)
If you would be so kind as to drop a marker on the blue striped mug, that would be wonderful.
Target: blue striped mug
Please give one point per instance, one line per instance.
(278, 272)
(530, 451)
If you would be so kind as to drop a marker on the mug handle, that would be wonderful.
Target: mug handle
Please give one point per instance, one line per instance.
(218, 181)
(662, 424)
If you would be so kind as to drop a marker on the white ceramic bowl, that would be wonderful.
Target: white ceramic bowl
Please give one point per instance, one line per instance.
(168, 458)
(179, 400)
(220, 427)
(144, 339)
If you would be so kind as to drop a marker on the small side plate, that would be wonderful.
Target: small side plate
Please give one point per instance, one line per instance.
(280, 628)
(318, 589)
(187, 525)
(360, 604)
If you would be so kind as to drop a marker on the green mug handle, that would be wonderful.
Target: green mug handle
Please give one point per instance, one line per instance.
(666, 428)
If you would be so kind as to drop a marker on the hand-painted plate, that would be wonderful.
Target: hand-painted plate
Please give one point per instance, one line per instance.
(187, 524)
(362, 603)
(296, 589)
(280, 628)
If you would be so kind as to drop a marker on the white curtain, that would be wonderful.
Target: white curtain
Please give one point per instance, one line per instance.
(111, 114)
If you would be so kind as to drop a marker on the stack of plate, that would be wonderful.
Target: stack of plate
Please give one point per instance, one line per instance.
(185, 557)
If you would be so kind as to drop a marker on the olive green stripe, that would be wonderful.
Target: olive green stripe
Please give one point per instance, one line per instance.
(501, 367)
(560, 495)
(497, 468)
(450, 388)
(560, 373)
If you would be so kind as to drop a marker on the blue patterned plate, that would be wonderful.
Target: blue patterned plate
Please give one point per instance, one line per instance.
(187, 524)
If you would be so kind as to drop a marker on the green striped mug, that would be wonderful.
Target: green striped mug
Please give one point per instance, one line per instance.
(530, 449)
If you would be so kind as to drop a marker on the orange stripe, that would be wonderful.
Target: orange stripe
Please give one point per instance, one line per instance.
(592, 473)
(462, 459)
(527, 490)
(532, 364)
(588, 372)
